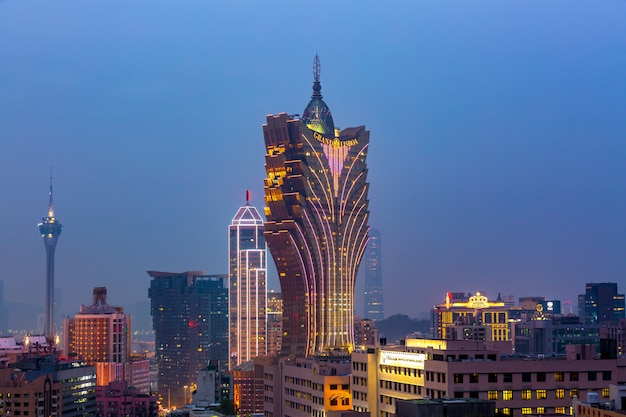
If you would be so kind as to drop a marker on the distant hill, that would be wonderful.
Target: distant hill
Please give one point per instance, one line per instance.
(398, 326)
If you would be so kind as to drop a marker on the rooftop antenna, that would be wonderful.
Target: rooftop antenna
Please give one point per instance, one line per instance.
(247, 197)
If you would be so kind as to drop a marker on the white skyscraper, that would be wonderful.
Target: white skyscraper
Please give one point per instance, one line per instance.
(247, 259)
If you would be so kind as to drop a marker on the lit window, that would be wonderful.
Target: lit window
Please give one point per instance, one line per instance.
(507, 395)
(559, 410)
(560, 376)
(541, 410)
(527, 394)
(559, 393)
(541, 394)
(492, 395)
(506, 411)
(527, 410)
(573, 392)
(606, 393)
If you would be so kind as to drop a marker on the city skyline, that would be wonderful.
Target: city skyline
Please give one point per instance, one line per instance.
(501, 128)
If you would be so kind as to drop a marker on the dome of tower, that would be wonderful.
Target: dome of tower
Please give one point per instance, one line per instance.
(316, 115)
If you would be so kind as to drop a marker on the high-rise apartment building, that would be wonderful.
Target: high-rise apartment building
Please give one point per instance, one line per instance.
(374, 306)
(50, 230)
(317, 223)
(190, 320)
(601, 303)
(99, 332)
(247, 291)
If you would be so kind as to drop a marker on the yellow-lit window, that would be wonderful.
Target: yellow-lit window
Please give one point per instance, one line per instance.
(507, 395)
(527, 395)
(506, 411)
(559, 410)
(541, 394)
(573, 392)
(559, 393)
(606, 393)
(541, 410)
(492, 395)
(527, 410)
(559, 376)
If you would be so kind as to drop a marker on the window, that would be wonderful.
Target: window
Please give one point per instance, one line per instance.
(559, 394)
(473, 378)
(541, 377)
(541, 394)
(333, 387)
(525, 376)
(559, 410)
(606, 375)
(527, 394)
(606, 393)
(559, 376)
(527, 410)
(333, 401)
(506, 411)
(592, 376)
(541, 410)
(492, 395)
(573, 376)
(507, 377)
(345, 386)
(573, 392)
(507, 395)
(493, 377)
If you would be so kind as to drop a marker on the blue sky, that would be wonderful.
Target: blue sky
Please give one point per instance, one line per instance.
(497, 137)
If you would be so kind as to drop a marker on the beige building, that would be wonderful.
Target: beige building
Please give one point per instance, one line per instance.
(315, 387)
(466, 369)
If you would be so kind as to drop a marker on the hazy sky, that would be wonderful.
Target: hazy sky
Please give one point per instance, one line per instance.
(497, 155)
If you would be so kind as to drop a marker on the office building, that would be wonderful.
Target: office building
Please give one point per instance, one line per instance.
(317, 223)
(374, 306)
(50, 230)
(190, 320)
(247, 291)
(601, 303)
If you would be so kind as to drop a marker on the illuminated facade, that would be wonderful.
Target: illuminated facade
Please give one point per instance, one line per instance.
(50, 230)
(190, 319)
(316, 229)
(99, 332)
(475, 318)
(274, 322)
(455, 369)
(247, 291)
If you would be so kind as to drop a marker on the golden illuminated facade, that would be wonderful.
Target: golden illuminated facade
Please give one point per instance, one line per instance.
(317, 223)
(475, 318)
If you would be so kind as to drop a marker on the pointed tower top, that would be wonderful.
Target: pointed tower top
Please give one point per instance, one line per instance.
(50, 206)
(317, 87)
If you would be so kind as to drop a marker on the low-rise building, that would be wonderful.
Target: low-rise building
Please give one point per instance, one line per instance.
(442, 369)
